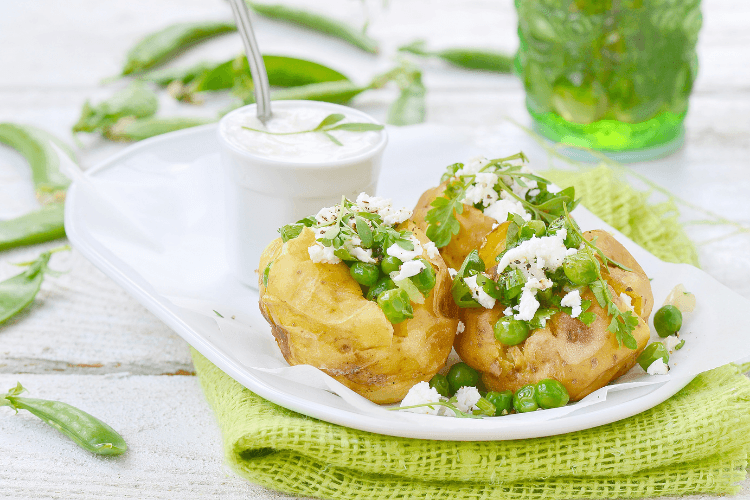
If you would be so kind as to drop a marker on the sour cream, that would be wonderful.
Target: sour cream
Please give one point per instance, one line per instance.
(311, 147)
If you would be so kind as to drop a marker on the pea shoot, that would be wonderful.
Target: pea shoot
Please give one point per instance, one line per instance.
(329, 124)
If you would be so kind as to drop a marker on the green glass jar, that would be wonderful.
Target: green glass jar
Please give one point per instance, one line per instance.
(611, 75)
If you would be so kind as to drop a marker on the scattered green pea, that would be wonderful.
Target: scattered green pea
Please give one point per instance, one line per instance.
(440, 384)
(550, 393)
(425, 280)
(667, 321)
(396, 305)
(462, 375)
(580, 268)
(651, 353)
(364, 273)
(390, 264)
(85, 430)
(503, 401)
(524, 400)
(510, 331)
(384, 284)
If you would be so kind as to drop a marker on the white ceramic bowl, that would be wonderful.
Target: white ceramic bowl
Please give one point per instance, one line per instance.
(263, 194)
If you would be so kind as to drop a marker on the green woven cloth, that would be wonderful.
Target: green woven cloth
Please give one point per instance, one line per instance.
(695, 442)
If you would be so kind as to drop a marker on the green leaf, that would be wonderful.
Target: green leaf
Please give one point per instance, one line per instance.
(357, 127)
(587, 318)
(333, 139)
(597, 287)
(330, 120)
(364, 232)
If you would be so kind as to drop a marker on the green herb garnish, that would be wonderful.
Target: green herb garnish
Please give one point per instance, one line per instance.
(327, 125)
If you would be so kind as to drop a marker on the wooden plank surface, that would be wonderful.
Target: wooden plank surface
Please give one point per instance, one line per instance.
(87, 342)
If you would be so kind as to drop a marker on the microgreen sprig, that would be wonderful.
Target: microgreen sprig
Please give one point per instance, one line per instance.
(327, 125)
(442, 221)
(486, 409)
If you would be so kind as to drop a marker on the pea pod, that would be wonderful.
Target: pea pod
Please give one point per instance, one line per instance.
(137, 100)
(129, 129)
(85, 430)
(46, 223)
(317, 22)
(19, 291)
(35, 145)
(160, 46)
(468, 58)
(42, 225)
(165, 76)
(340, 92)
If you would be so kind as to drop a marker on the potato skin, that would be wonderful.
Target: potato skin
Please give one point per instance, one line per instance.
(583, 358)
(319, 317)
(475, 226)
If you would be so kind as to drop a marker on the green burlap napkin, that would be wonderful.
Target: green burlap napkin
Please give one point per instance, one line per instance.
(695, 442)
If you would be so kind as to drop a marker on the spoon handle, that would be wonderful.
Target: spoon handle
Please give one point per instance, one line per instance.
(254, 59)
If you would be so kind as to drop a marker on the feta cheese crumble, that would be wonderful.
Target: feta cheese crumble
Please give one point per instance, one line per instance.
(479, 294)
(420, 394)
(408, 269)
(467, 398)
(322, 255)
(382, 207)
(431, 250)
(461, 327)
(573, 300)
(500, 210)
(658, 367)
(405, 255)
(671, 342)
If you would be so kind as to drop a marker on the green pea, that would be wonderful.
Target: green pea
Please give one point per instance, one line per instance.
(390, 264)
(384, 284)
(532, 228)
(396, 305)
(510, 331)
(364, 273)
(667, 321)
(440, 384)
(503, 401)
(425, 280)
(524, 400)
(462, 375)
(580, 268)
(651, 353)
(85, 430)
(551, 394)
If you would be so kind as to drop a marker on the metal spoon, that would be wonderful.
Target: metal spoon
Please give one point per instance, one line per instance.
(254, 59)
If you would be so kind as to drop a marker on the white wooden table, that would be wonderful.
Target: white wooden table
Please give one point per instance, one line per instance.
(86, 342)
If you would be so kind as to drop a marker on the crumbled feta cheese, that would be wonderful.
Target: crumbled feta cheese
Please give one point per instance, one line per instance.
(431, 249)
(467, 398)
(627, 300)
(527, 306)
(571, 251)
(573, 299)
(420, 394)
(501, 208)
(327, 215)
(408, 269)
(481, 190)
(322, 255)
(495, 225)
(508, 311)
(363, 254)
(461, 327)
(473, 166)
(382, 207)
(478, 293)
(550, 250)
(405, 255)
(452, 272)
(671, 342)
(658, 367)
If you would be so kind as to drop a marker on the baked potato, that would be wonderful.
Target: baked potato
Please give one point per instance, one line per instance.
(319, 316)
(583, 358)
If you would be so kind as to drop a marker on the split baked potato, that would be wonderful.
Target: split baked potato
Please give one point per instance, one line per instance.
(319, 316)
(583, 358)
